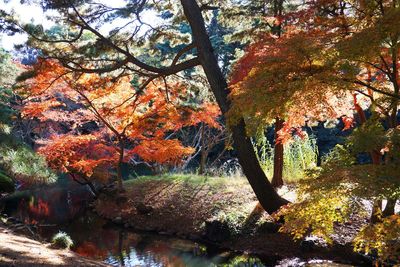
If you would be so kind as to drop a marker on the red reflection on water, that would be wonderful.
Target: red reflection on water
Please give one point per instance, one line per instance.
(91, 250)
(40, 209)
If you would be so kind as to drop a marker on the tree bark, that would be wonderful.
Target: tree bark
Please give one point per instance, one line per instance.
(277, 179)
(376, 160)
(203, 162)
(390, 207)
(119, 166)
(376, 213)
(267, 196)
(203, 153)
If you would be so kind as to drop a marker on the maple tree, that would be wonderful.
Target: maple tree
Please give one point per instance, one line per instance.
(135, 121)
(335, 58)
(331, 59)
(266, 89)
(349, 48)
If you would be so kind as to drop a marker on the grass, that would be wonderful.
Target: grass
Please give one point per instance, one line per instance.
(191, 179)
(225, 199)
(299, 155)
(62, 240)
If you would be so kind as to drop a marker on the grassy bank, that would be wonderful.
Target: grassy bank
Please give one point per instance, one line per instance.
(181, 204)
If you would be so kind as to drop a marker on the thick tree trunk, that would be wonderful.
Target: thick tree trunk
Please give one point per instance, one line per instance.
(390, 207)
(263, 189)
(277, 179)
(376, 214)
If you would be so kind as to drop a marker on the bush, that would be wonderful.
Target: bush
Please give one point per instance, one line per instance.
(24, 164)
(62, 240)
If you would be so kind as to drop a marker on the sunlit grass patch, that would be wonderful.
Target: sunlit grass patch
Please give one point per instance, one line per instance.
(299, 155)
(192, 179)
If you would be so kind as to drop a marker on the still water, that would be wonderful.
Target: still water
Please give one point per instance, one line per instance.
(59, 209)
(95, 238)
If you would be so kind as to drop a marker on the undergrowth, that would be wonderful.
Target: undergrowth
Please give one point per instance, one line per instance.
(300, 154)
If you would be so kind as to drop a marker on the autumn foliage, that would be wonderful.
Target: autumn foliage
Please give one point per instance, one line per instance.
(264, 86)
(134, 122)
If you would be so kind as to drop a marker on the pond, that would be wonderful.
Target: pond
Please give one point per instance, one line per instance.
(59, 209)
(97, 239)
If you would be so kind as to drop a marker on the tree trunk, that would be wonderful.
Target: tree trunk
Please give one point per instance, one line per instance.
(376, 160)
(376, 214)
(277, 179)
(390, 207)
(203, 161)
(203, 151)
(119, 167)
(269, 199)
(391, 202)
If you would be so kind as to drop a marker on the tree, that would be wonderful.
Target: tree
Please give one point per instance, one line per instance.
(267, 196)
(357, 48)
(134, 121)
(372, 71)
(288, 95)
(84, 49)
(19, 165)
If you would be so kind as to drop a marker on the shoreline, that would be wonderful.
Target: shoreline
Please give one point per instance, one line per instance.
(196, 220)
(18, 249)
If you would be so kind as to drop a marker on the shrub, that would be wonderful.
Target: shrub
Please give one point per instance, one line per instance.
(22, 162)
(62, 240)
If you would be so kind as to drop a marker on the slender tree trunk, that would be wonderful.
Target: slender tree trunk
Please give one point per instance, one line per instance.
(277, 179)
(203, 161)
(120, 247)
(391, 202)
(376, 160)
(203, 151)
(119, 167)
(268, 197)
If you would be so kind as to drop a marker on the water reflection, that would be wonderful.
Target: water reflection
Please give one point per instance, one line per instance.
(62, 209)
(56, 209)
(53, 205)
(99, 240)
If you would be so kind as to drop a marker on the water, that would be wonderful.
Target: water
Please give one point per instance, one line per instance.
(59, 209)
(97, 239)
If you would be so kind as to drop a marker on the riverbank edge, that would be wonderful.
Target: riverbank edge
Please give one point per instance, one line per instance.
(309, 251)
(21, 249)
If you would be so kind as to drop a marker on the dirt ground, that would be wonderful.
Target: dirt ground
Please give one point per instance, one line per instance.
(19, 250)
